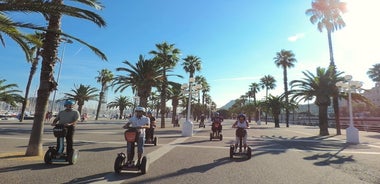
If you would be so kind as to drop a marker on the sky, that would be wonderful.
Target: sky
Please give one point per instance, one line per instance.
(235, 40)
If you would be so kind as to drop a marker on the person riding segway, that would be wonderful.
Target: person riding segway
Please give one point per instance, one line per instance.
(135, 133)
(149, 132)
(241, 138)
(64, 127)
(216, 127)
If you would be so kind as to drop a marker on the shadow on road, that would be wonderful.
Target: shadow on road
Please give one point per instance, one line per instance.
(195, 169)
(277, 145)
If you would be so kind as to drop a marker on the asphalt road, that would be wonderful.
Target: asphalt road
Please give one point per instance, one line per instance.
(280, 155)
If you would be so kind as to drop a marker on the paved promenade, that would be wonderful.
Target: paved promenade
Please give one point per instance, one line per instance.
(280, 155)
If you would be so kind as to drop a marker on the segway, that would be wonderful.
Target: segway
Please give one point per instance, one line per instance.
(56, 153)
(202, 124)
(121, 164)
(215, 134)
(240, 132)
(149, 136)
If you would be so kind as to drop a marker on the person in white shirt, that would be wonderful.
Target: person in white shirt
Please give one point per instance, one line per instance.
(241, 123)
(141, 122)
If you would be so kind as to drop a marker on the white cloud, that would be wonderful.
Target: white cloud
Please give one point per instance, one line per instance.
(296, 37)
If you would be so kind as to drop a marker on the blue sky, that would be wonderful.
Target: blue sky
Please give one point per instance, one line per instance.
(236, 41)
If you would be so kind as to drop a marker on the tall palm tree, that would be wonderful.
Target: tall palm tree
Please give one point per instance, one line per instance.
(8, 94)
(35, 51)
(82, 94)
(120, 102)
(167, 57)
(374, 73)
(104, 78)
(285, 59)
(202, 81)
(318, 86)
(141, 77)
(254, 88)
(49, 54)
(268, 82)
(191, 64)
(327, 15)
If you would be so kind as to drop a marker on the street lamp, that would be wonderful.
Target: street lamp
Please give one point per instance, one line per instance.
(187, 127)
(65, 40)
(350, 86)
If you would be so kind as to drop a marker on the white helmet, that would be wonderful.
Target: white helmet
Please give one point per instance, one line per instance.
(140, 109)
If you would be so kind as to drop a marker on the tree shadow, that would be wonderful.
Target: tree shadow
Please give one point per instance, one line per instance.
(278, 144)
(105, 177)
(195, 169)
(35, 166)
(328, 158)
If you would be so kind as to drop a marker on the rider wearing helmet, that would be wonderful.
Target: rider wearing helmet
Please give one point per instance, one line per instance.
(140, 121)
(241, 123)
(69, 118)
(216, 122)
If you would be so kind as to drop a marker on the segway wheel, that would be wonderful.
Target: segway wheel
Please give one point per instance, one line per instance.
(155, 141)
(220, 137)
(232, 151)
(144, 165)
(119, 162)
(48, 156)
(73, 157)
(210, 136)
(249, 153)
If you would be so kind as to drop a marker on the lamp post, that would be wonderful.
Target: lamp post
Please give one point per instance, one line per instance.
(350, 87)
(65, 40)
(187, 127)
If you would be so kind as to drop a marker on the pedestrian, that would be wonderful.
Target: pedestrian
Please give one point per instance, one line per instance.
(69, 118)
(141, 122)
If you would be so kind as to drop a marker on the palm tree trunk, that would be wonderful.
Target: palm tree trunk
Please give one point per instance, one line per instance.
(31, 74)
(101, 94)
(335, 97)
(163, 100)
(323, 120)
(47, 83)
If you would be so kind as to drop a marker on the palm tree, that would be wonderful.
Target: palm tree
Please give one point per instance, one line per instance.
(191, 64)
(268, 82)
(318, 86)
(105, 76)
(36, 52)
(327, 15)
(8, 94)
(175, 94)
(141, 77)
(167, 57)
(254, 88)
(120, 102)
(274, 104)
(82, 94)
(285, 59)
(49, 55)
(374, 73)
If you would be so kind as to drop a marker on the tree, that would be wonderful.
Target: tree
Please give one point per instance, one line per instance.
(8, 94)
(318, 86)
(285, 59)
(82, 94)
(268, 82)
(374, 73)
(141, 77)
(254, 88)
(274, 104)
(327, 15)
(167, 57)
(105, 76)
(35, 52)
(49, 55)
(120, 102)
(175, 94)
